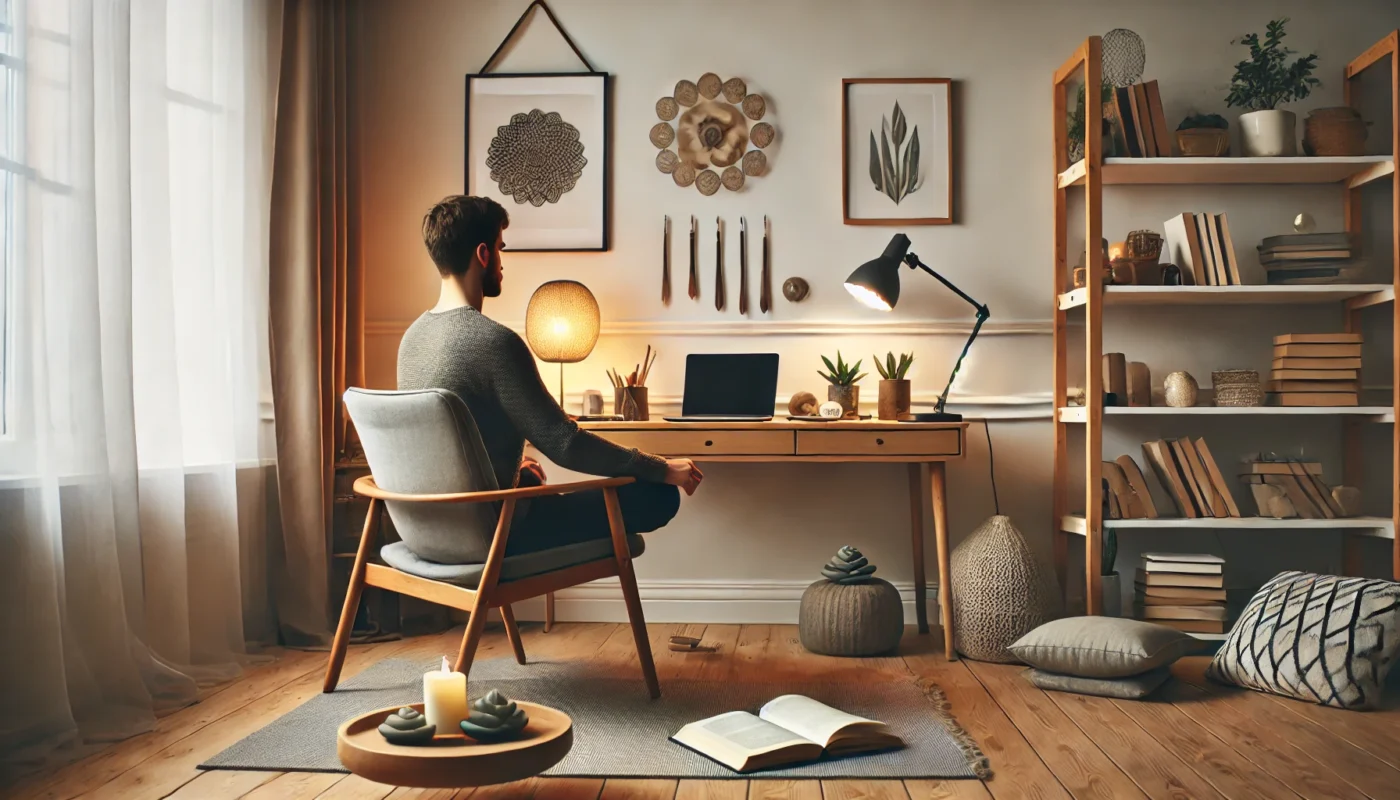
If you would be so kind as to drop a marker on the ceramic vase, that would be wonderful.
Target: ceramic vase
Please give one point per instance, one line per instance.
(848, 397)
(1271, 132)
(894, 399)
(1111, 595)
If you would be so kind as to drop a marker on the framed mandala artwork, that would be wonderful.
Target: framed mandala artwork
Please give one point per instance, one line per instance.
(538, 145)
(897, 151)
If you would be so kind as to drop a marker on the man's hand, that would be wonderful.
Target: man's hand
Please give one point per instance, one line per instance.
(682, 472)
(529, 466)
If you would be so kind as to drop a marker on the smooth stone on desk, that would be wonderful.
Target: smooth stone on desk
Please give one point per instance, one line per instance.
(496, 729)
(406, 719)
(847, 566)
(855, 576)
(410, 738)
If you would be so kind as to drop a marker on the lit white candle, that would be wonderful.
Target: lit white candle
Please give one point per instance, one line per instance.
(445, 699)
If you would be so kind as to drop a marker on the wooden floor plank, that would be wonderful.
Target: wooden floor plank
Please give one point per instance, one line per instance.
(1154, 768)
(638, 789)
(568, 788)
(410, 793)
(712, 790)
(864, 790)
(105, 765)
(768, 789)
(1017, 771)
(515, 790)
(1080, 765)
(714, 665)
(299, 785)
(946, 790)
(222, 785)
(353, 787)
(1230, 773)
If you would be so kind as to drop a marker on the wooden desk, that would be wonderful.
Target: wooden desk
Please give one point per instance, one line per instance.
(781, 441)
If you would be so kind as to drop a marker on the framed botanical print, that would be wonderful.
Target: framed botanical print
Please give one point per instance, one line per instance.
(897, 143)
(538, 144)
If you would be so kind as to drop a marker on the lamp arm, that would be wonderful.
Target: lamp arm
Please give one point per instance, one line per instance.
(982, 314)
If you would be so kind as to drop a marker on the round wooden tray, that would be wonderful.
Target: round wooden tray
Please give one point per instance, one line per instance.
(454, 760)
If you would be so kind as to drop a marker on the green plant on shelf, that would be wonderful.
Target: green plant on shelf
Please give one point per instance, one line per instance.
(1110, 551)
(1204, 121)
(891, 370)
(1266, 80)
(841, 374)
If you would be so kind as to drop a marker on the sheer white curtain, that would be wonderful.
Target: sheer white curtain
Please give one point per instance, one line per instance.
(133, 513)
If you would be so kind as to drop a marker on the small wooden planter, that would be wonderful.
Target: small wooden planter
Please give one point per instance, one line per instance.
(895, 399)
(1203, 142)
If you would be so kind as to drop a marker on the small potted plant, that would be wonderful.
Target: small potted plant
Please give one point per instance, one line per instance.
(1264, 81)
(894, 387)
(843, 378)
(1203, 136)
(1110, 586)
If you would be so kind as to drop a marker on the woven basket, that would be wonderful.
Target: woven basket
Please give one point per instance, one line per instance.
(1237, 387)
(1334, 132)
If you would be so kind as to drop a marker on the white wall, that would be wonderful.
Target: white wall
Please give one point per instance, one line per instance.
(768, 527)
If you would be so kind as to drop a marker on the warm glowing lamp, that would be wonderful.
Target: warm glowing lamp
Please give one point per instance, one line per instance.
(876, 284)
(561, 325)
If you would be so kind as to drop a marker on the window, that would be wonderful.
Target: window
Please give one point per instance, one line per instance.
(10, 188)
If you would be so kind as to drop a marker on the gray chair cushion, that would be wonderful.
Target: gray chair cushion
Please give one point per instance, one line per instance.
(1101, 647)
(425, 442)
(513, 568)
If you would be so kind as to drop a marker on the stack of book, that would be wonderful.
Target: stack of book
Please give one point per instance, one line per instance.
(1316, 369)
(1128, 495)
(1139, 124)
(1287, 489)
(1192, 478)
(1200, 245)
(1303, 258)
(1185, 591)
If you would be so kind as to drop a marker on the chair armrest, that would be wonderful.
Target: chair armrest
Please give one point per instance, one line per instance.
(367, 487)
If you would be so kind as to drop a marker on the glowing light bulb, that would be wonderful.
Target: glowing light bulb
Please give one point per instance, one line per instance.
(867, 297)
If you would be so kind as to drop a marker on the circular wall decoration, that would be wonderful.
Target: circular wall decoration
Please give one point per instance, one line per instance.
(714, 127)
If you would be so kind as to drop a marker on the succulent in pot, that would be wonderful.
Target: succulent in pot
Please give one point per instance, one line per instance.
(895, 393)
(1265, 81)
(843, 378)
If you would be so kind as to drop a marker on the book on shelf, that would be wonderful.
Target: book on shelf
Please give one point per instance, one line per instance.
(1340, 240)
(1160, 131)
(1194, 625)
(1180, 595)
(1154, 613)
(1139, 485)
(1324, 375)
(1227, 246)
(1317, 350)
(1199, 496)
(1183, 246)
(1318, 338)
(1313, 386)
(1143, 599)
(1143, 116)
(1323, 276)
(1210, 249)
(1122, 97)
(1158, 455)
(1293, 362)
(1281, 467)
(787, 730)
(1269, 257)
(1314, 399)
(1179, 579)
(1196, 563)
(1217, 478)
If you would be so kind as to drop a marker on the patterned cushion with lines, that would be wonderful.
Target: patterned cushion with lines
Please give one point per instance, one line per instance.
(1320, 638)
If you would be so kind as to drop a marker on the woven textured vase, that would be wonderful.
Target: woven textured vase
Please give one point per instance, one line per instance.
(1000, 591)
(860, 619)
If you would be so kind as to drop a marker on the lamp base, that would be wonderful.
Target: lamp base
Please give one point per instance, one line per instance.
(933, 416)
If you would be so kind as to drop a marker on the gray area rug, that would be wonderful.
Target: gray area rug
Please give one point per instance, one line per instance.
(618, 730)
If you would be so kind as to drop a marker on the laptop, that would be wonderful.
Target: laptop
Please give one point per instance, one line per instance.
(729, 387)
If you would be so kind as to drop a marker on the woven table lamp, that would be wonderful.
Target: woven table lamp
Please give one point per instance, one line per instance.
(561, 325)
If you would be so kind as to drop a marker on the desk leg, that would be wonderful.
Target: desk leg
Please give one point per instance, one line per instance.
(938, 490)
(916, 521)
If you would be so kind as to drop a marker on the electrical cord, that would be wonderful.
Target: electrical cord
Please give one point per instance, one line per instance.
(991, 465)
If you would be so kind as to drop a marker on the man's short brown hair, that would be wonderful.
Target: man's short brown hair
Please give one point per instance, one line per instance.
(454, 227)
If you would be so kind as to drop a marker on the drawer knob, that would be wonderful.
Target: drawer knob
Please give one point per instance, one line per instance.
(879, 441)
(709, 443)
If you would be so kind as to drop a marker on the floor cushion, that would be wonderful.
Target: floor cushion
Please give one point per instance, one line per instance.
(1134, 687)
(1000, 591)
(1102, 647)
(513, 568)
(1320, 638)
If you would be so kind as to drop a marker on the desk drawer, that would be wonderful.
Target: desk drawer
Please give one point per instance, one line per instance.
(879, 443)
(700, 443)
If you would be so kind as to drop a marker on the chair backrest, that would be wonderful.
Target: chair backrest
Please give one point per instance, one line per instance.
(426, 442)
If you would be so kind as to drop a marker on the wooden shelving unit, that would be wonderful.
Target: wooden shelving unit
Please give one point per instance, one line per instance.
(1093, 173)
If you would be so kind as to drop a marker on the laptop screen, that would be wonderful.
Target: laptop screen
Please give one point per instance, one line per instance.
(730, 383)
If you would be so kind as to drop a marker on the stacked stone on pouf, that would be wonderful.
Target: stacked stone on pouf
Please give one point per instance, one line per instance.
(850, 612)
(494, 718)
(407, 727)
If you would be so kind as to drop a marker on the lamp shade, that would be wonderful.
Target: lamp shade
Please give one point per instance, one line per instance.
(876, 282)
(561, 322)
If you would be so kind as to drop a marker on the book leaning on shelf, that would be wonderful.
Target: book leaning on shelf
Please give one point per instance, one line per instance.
(787, 730)
(1185, 591)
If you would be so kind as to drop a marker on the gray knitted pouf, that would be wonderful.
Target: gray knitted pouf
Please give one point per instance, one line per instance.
(1000, 591)
(862, 619)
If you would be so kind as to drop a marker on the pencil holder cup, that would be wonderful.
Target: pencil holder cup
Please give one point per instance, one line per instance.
(630, 402)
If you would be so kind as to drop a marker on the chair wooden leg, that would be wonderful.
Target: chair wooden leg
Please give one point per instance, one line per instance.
(628, 579)
(549, 612)
(490, 574)
(513, 633)
(352, 599)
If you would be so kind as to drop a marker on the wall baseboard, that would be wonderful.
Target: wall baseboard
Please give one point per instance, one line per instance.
(690, 601)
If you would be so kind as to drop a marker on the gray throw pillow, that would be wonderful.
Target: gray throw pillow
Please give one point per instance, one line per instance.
(1101, 647)
(1135, 687)
(1319, 638)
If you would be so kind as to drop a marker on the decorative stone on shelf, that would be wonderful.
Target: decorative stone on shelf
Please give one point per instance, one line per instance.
(803, 404)
(1349, 499)
(1180, 390)
(407, 727)
(850, 612)
(494, 718)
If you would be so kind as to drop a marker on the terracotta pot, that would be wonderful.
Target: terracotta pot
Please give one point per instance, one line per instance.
(848, 397)
(1338, 131)
(1203, 142)
(1271, 132)
(894, 399)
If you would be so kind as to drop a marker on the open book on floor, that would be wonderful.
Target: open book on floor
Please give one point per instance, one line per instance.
(787, 730)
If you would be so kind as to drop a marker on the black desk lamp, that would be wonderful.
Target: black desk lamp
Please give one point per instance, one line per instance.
(876, 284)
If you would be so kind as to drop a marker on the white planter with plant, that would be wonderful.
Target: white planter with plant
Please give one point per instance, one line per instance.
(1261, 83)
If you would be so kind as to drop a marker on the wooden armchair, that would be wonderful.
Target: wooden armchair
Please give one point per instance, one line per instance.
(429, 469)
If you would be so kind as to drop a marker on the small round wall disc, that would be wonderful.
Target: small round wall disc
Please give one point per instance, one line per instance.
(666, 161)
(683, 174)
(667, 108)
(662, 134)
(733, 179)
(709, 85)
(735, 89)
(755, 162)
(707, 182)
(762, 134)
(686, 94)
(755, 106)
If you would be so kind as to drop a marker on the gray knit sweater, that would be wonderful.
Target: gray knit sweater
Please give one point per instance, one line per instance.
(489, 366)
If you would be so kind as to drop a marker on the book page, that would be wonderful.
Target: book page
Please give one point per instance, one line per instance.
(810, 719)
(738, 740)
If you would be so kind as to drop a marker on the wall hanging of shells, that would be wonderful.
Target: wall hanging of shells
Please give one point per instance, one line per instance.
(712, 133)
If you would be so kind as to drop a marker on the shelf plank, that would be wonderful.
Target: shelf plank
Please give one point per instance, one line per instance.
(1361, 294)
(1350, 170)
(1378, 413)
(1379, 527)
